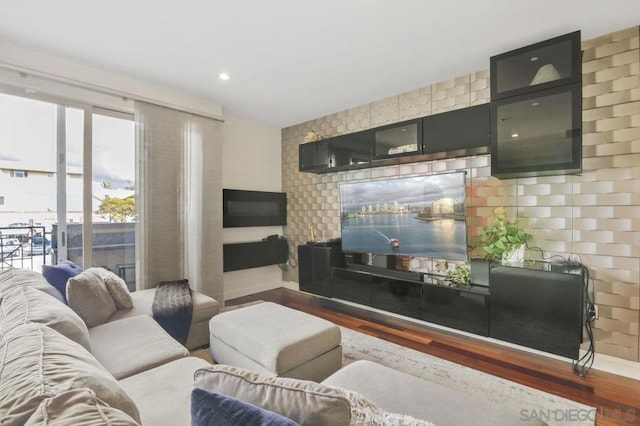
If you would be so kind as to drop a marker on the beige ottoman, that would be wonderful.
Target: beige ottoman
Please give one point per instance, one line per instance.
(277, 341)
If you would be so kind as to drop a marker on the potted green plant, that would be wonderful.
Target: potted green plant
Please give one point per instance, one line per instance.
(502, 239)
(459, 274)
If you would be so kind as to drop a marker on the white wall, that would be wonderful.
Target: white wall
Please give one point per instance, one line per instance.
(48, 75)
(252, 160)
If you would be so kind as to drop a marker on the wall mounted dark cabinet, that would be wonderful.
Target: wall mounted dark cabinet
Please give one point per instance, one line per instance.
(315, 264)
(398, 139)
(456, 133)
(400, 297)
(314, 156)
(461, 132)
(537, 134)
(353, 286)
(536, 109)
(538, 309)
(550, 63)
(533, 305)
(463, 308)
(352, 149)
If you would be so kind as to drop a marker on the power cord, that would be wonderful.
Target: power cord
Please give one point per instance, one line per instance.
(291, 262)
(582, 366)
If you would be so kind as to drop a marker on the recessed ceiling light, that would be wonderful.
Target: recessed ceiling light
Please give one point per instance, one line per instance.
(533, 58)
(224, 76)
(515, 135)
(534, 103)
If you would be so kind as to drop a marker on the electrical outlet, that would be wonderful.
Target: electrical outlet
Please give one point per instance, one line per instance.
(595, 308)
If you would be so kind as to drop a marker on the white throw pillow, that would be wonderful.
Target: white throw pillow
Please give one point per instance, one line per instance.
(366, 413)
(87, 294)
(302, 401)
(118, 290)
(38, 363)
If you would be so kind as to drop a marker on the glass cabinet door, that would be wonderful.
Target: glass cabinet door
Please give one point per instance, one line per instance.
(314, 156)
(538, 133)
(398, 139)
(540, 66)
(351, 149)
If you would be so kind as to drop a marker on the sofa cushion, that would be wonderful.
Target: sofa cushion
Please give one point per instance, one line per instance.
(88, 296)
(75, 407)
(39, 363)
(117, 289)
(132, 345)
(58, 275)
(209, 408)
(163, 394)
(302, 401)
(22, 305)
(204, 307)
(11, 277)
(418, 398)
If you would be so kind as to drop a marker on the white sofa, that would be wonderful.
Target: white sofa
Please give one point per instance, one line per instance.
(56, 370)
(361, 393)
(129, 371)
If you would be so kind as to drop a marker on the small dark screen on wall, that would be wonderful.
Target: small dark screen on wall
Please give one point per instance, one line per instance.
(253, 208)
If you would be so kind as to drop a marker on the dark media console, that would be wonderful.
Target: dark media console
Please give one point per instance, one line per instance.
(538, 306)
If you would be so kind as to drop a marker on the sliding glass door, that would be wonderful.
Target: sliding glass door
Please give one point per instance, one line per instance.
(67, 185)
(113, 194)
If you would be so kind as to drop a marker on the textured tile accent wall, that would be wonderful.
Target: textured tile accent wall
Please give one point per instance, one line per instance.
(595, 216)
(606, 197)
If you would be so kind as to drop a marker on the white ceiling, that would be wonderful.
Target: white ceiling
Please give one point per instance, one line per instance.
(294, 60)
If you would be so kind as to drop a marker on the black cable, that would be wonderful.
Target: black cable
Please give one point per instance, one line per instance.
(291, 260)
(582, 366)
(546, 259)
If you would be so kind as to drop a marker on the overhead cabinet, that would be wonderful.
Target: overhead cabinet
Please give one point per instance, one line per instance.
(397, 139)
(452, 134)
(460, 132)
(538, 133)
(550, 63)
(536, 109)
(351, 150)
(314, 156)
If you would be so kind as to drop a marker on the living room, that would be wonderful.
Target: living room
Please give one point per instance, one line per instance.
(592, 214)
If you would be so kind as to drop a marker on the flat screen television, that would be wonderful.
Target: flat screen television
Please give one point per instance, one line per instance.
(253, 208)
(422, 216)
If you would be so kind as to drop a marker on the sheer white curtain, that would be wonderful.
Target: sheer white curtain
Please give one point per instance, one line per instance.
(179, 198)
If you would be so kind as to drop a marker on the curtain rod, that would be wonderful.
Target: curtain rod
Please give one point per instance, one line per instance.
(26, 72)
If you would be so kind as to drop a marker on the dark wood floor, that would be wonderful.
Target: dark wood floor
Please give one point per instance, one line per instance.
(616, 398)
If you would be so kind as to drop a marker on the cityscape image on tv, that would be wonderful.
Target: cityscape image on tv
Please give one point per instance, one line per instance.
(419, 216)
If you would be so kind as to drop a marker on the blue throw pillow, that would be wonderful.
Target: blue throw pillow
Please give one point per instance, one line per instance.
(208, 409)
(57, 275)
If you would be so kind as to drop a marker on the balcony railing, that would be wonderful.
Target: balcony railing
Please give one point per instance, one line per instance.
(26, 247)
(30, 247)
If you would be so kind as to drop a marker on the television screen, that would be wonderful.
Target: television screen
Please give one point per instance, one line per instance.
(422, 216)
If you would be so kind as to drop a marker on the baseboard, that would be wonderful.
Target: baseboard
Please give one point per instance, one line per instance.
(257, 288)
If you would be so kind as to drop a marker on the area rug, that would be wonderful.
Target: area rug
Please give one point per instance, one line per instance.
(528, 402)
